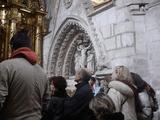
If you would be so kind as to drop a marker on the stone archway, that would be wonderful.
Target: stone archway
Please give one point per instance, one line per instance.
(69, 37)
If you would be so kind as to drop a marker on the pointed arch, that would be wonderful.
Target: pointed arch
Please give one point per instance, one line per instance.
(63, 48)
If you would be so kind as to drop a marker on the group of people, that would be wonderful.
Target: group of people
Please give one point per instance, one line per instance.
(27, 94)
(125, 96)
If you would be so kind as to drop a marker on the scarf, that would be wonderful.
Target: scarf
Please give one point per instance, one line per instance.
(26, 53)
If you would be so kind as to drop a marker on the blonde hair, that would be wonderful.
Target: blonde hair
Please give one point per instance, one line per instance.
(101, 105)
(122, 73)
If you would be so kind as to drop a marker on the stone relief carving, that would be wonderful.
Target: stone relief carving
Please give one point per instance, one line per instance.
(91, 63)
(65, 50)
(77, 61)
(83, 50)
(67, 3)
(85, 57)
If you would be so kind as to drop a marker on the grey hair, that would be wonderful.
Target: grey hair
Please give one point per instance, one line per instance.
(84, 74)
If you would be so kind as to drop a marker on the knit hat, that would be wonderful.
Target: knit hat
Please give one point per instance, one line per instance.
(20, 39)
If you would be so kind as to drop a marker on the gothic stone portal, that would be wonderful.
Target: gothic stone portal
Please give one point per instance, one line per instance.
(72, 50)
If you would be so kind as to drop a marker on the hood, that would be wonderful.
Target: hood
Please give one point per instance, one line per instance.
(26, 53)
(122, 88)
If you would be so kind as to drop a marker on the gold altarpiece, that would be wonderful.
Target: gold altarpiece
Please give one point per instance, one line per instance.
(18, 14)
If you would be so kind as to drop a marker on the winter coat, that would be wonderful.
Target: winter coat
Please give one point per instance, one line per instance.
(77, 107)
(25, 87)
(123, 98)
(114, 116)
(55, 107)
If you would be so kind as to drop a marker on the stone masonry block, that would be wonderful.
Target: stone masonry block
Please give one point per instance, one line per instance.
(119, 53)
(128, 39)
(153, 50)
(153, 35)
(141, 47)
(124, 52)
(126, 61)
(110, 43)
(124, 27)
(123, 15)
(106, 31)
(119, 41)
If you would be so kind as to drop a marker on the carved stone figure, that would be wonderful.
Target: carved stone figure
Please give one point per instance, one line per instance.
(83, 49)
(77, 61)
(67, 3)
(91, 61)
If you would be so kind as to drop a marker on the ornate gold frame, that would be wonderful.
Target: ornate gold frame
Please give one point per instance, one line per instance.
(99, 3)
(18, 14)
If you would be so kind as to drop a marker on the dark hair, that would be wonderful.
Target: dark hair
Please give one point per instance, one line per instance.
(138, 81)
(20, 39)
(93, 79)
(59, 82)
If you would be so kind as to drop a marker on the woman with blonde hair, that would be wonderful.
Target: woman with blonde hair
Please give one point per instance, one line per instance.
(122, 92)
(104, 108)
(122, 73)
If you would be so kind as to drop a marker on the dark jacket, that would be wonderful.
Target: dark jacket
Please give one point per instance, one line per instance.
(114, 116)
(77, 107)
(55, 107)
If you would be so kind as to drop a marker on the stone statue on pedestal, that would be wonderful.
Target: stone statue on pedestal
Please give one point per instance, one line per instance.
(77, 61)
(83, 49)
(91, 61)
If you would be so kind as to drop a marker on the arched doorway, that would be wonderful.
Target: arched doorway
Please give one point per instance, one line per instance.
(71, 49)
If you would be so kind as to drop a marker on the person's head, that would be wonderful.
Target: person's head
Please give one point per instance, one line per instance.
(102, 105)
(82, 75)
(122, 73)
(20, 39)
(58, 83)
(104, 82)
(92, 81)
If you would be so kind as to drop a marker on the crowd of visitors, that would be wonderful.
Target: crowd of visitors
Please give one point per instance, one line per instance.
(27, 94)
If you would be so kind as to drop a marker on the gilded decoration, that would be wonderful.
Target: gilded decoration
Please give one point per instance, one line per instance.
(99, 3)
(18, 14)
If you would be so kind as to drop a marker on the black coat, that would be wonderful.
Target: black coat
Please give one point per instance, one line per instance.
(55, 107)
(114, 116)
(77, 107)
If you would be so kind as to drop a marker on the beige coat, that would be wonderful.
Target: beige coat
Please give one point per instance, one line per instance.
(25, 87)
(123, 98)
